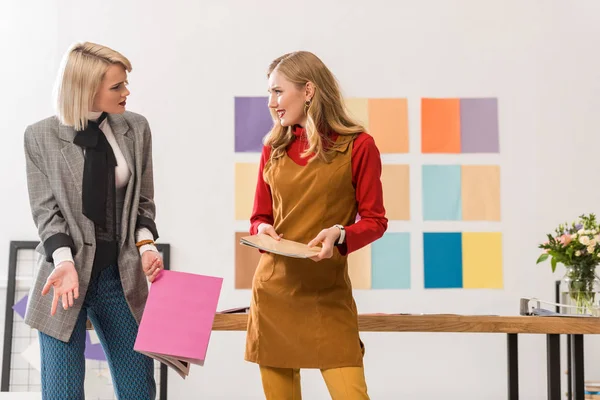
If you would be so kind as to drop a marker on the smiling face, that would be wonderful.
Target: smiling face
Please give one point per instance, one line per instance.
(287, 100)
(112, 93)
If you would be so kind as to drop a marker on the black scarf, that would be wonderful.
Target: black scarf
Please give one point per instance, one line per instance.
(100, 160)
(99, 192)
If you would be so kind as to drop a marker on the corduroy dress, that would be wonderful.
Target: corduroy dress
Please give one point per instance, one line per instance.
(302, 313)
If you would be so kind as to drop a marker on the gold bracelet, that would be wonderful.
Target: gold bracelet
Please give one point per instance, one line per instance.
(143, 242)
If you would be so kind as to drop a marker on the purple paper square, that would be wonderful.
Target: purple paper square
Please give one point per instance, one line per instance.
(20, 306)
(93, 351)
(479, 125)
(252, 122)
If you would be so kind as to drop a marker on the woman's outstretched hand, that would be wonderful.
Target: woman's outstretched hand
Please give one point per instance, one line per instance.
(65, 283)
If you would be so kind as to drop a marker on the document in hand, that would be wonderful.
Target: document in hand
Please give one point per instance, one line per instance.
(282, 247)
(178, 319)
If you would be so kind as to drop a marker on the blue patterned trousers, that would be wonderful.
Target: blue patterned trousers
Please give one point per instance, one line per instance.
(63, 364)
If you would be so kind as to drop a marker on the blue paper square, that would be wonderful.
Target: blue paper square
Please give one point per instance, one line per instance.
(442, 252)
(442, 200)
(390, 260)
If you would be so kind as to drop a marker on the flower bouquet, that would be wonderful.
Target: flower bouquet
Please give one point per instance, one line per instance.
(577, 247)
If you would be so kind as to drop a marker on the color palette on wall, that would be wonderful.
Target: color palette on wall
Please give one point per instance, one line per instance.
(453, 192)
(385, 264)
(459, 125)
(394, 179)
(461, 192)
(462, 260)
(384, 119)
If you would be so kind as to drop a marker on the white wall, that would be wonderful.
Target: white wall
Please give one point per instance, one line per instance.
(191, 58)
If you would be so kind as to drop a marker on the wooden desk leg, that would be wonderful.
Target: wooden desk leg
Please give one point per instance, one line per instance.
(553, 359)
(513, 365)
(577, 363)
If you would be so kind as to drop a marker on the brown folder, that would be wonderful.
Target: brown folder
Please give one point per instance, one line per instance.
(282, 247)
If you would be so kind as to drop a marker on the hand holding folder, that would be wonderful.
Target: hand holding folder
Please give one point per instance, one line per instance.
(178, 319)
(282, 247)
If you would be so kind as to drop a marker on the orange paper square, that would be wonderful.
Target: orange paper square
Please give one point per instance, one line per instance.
(440, 125)
(480, 192)
(395, 180)
(388, 124)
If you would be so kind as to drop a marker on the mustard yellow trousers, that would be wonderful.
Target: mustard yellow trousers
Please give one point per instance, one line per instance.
(346, 383)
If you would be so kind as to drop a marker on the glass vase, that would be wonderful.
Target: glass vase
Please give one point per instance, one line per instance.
(579, 291)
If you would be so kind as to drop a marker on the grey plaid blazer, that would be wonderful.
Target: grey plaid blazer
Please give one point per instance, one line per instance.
(54, 179)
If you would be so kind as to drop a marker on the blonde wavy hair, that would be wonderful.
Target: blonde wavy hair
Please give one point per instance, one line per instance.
(326, 113)
(82, 70)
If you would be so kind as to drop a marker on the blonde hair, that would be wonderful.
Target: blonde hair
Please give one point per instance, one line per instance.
(326, 113)
(79, 77)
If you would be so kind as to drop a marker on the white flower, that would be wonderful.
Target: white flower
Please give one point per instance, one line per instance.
(574, 236)
(593, 242)
(577, 253)
(590, 249)
(594, 231)
(584, 240)
(581, 231)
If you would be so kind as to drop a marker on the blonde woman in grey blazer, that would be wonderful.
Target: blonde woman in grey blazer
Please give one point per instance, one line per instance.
(89, 175)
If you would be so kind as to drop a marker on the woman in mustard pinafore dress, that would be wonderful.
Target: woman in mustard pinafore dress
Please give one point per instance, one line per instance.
(318, 170)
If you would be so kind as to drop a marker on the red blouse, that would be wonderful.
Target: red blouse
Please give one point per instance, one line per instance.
(366, 173)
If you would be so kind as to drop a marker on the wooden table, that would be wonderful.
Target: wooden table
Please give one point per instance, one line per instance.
(552, 327)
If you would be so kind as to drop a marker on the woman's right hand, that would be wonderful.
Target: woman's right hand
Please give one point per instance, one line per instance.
(65, 283)
(268, 229)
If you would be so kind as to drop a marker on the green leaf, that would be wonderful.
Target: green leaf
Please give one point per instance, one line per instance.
(553, 263)
(542, 258)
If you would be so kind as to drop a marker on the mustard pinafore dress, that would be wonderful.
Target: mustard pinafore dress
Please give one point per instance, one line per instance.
(302, 313)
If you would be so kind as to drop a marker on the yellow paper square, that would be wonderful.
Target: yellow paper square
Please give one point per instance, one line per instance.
(480, 192)
(359, 268)
(395, 180)
(482, 260)
(359, 110)
(246, 175)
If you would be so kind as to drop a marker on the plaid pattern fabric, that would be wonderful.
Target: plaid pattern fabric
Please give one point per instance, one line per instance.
(54, 179)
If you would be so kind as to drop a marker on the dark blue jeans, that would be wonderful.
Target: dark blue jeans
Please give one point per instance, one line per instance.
(63, 364)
